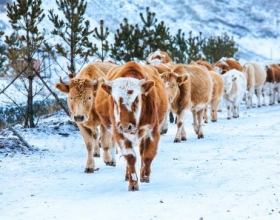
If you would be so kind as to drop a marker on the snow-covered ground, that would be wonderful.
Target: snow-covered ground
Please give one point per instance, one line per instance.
(233, 173)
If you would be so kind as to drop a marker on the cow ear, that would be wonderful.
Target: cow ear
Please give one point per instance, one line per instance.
(146, 87)
(182, 79)
(106, 88)
(62, 87)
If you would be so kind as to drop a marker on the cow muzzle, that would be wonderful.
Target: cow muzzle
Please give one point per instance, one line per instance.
(126, 128)
(80, 118)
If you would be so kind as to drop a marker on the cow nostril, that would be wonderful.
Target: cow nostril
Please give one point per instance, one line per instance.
(79, 118)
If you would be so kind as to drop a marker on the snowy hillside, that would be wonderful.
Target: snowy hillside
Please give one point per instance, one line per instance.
(253, 24)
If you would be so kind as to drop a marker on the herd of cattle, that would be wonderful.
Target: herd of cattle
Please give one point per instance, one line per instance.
(128, 105)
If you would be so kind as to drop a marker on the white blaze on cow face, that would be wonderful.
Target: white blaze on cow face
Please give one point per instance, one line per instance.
(156, 58)
(126, 93)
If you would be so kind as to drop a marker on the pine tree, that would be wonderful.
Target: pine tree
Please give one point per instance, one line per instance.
(215, 48)
(155, 36)
(127, 45)
(102, 35)
(3, 57)
(25, 16)
(179, 47)
(74, 30)
(194, 47)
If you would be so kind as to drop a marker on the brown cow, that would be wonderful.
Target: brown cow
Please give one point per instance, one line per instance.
(132, 104)
(158, 57)
(81, 92)
(188, 87)
(273, 82)
(225, 64)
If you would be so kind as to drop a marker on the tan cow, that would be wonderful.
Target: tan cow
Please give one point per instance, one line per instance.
(189, 87)
(132, 104)
(217, 96)
(81, 92)
(217, 92)
(256, 75)
(208, 65)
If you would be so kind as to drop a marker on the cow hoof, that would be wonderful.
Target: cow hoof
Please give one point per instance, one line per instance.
(145, 179)
(214, 120)
(228, 118)
(177, 140)
(183, 139)
(134, 187)
(96, 155)
(200, 136)
(111, 163)
(91, 170)
(164, 131)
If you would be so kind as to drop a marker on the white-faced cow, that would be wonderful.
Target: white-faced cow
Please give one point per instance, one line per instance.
(158, 57)
(81, 92)
(235, 84)
(132, 104)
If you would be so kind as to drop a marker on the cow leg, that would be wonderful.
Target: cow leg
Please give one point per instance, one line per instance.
(91, 141)
(148, 151)
(214, 107)
(235, 110)
(130, 171)
(205, 115)
(249, 98)
(180, 120)
(278, 92)
(164, 126)
(130, 174)
(263, 94)
(199, 131)
(228, 112)
(109, 147)
(259, 94)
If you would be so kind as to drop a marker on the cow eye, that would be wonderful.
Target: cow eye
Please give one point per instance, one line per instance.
(89, 98)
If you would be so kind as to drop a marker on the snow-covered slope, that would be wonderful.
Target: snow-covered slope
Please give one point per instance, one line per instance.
(253, 24)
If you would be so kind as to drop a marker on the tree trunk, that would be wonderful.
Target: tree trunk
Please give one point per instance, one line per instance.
(29, 120)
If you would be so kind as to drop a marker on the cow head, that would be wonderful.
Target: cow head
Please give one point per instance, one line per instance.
(158, 57)
(228, 83)
(172, 82)
(80, 97)
(126, 94)
(221, 66)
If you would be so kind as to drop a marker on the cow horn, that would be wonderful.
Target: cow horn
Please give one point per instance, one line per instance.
(142, 81)
(108, 83)
(166, 66)
(94, 82)
(65, 83)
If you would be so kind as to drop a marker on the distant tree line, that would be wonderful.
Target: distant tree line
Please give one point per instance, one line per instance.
(73, 33)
